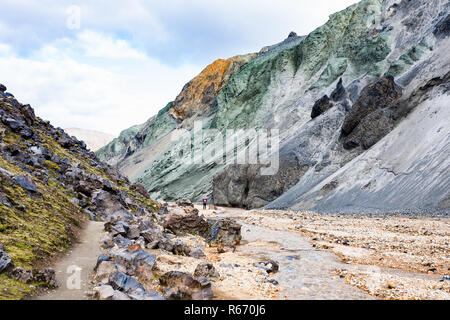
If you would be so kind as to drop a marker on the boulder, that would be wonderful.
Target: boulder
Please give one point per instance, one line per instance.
(321, 105)
(105, 203)
(105, 292)
(28, 114)
(122, 242)
(197, 253)
(379, 95)
(91, 215)
(47, 276)
(142, 258)
(184, 203)
(152, 234)
(22, 275)
(370, 130)
(100, 259)
(2, 87)
(181, 248)
(26, 183)
(6, 264)
(13, 124)
(178, 278)
(26, 133)
(226, 232)
(122, 257)
(123, 282)
(206, 269)
(339, 93)
(190, 222)
(105, 269)
(133, 232)
(182, 286)
(119, 228)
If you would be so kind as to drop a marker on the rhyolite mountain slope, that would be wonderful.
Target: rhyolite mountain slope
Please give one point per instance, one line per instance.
(94, 139)
(361, 105)
(49, 185)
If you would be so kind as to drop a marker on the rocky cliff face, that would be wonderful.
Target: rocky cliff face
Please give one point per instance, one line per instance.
(345, 99)
(198, 95)
(49, 185)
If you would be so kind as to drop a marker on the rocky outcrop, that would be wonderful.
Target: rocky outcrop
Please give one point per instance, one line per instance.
(199, 94)
(325, 103)
(244, 186)
(50, 183)
(379, 95)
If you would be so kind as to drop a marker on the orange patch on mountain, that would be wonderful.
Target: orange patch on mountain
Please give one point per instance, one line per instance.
(198, 95)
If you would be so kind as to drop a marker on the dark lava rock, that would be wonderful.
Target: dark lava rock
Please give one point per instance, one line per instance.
(13, 124)
(206, 269)
(378, 95)
(224, 231)
(6, 264)
(139, 188)
(100, 259)
(28, 114)
(178, 278)
(120, 228)
(122, 257)
(181, 248)
(321, 105)
(190, 222)
(270, 266)
(22, 275)
(184, 203)
(339, 93)
(133, 232)
(152, 234)
(445, 278)
(370, 130)
(243, 185)
(197, 253)
(182, 286)
(143, 258)
(122, 242)
(120, 215)
(26, 183)
(123, 282)
(26, 133)
(47, 276)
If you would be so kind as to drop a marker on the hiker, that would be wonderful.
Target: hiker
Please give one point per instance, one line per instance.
(204, 203)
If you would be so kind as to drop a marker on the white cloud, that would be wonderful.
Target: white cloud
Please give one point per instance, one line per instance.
(131, 57)
(95, 44)
(107, 98)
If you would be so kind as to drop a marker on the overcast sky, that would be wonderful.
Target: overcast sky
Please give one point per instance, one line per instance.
(108, 65)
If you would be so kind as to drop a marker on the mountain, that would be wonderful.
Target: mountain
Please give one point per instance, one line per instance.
(357, 113)
(50, 185)
(94, 139)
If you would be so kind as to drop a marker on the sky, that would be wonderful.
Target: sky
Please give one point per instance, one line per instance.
(107, 65)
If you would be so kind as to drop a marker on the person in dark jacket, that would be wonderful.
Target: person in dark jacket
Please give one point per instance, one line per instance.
(205, 201)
